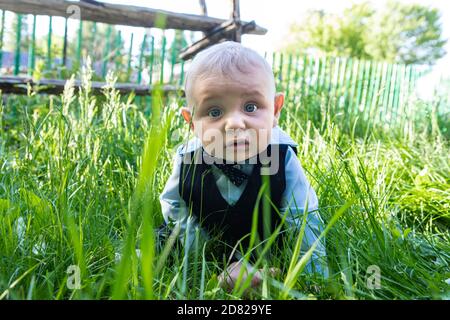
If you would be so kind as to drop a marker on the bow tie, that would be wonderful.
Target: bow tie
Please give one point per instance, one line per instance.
(236, 176)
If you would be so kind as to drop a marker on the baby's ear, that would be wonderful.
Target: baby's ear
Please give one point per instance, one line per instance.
(186, 113)
(278, 105)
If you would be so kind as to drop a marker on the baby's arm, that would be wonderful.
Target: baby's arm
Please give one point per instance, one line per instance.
(173, 207)
(298, 195)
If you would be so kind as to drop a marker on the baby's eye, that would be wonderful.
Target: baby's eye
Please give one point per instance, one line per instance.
(250, 107)
(215, 113)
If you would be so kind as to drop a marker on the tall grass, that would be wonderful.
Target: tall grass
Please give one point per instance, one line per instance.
(80, 180)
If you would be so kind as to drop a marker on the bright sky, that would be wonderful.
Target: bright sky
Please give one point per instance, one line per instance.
(276, 16)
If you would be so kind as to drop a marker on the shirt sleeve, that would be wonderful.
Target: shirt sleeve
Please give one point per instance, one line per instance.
(298, 197)
(173, 207)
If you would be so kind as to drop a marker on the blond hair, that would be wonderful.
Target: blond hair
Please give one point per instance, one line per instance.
(227, 59)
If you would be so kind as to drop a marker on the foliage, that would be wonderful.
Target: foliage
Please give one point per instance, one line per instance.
(398, 33)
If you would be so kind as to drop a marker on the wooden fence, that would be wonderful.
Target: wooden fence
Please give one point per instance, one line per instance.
(152, 60)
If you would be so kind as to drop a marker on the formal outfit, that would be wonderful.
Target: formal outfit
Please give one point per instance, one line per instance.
(220, 198)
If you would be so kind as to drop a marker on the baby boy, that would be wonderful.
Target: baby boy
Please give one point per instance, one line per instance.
(233, 110)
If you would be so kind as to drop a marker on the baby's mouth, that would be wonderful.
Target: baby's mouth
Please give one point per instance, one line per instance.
(238, 144)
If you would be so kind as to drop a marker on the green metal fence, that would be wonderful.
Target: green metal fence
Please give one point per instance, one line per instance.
(351, 88)
(161, 63)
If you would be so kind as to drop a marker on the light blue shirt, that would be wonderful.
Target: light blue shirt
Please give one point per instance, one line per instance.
(297, 195)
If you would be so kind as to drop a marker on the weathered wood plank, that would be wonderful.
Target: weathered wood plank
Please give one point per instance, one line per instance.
(204, 11)
(225, 31)
(236, 12)
(118, 14)
(18, 85)
(203, 7)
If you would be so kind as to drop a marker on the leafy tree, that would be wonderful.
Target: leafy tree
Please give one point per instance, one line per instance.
(414, 33)
(401, 33)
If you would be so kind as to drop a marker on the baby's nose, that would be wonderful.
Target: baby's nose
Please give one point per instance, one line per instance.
(234, 121)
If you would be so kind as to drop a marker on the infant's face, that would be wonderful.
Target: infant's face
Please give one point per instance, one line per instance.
(233, 116)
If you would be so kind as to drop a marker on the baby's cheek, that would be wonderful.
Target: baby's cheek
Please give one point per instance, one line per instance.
(263, 142)
(262, 137)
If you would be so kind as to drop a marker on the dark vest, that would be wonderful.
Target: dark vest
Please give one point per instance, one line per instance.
(199, 190)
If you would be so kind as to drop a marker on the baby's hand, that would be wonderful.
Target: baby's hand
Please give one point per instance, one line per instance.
(228, 278)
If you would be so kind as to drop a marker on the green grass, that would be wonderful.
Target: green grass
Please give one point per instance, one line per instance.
(80, 178)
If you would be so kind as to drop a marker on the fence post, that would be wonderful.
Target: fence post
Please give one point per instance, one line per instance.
(288, 77)
(117, 45)
(315, 77)
(380, 98)
(387, 89)
(302, 89)
(296, 75)
(163, 57)
(374, 94)
(18, 38)
(106, 54)
(173, 58)
(130, 54)
(80, 42)
(359, 93)
(329, 78)
(341, 81)
(405, 93)
(392, 86)
(400, 75)
(2, 31)
(94, 36)
(412, 86)
(323, 70)
(319, 73)
(273, 64)
(368, 88)
(64, 57)
(181, 73)
(32, 49)
(49, 43)
(280, 70)
(141, 59)
(348, 82)
(335, 83)
(152, 59)
(355, 79)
